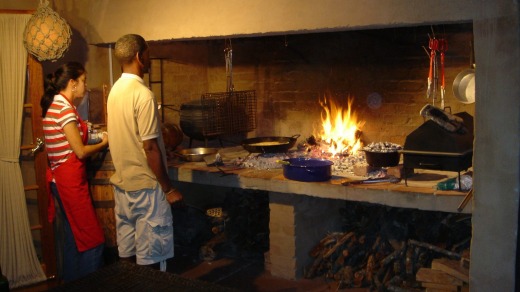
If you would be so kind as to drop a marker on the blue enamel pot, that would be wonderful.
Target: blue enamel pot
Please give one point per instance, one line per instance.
(307, 169)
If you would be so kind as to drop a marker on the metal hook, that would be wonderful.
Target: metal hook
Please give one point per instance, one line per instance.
(433, 32)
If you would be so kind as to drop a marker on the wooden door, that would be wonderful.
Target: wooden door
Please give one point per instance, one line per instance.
(33, 159)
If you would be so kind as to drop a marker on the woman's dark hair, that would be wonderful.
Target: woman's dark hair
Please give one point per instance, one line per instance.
(58, 81)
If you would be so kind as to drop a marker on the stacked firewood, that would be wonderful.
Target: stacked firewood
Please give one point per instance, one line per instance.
(241, 229)
(445, 275)
(383, 248)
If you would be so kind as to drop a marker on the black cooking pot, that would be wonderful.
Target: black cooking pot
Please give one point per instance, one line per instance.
(194, 121)
(382, 159)
(307, 169)
(269, 144)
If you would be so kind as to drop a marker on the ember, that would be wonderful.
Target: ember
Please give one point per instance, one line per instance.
(340, 130)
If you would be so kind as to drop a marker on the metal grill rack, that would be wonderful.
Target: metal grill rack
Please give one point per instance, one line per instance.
(229, 112)
(218, 114)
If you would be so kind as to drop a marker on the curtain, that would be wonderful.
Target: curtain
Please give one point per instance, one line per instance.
(18, 257)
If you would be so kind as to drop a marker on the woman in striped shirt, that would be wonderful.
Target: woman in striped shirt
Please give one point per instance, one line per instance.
(66, 137)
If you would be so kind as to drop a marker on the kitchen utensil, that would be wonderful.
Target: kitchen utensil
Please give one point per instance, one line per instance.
(283, 162)
(438, 48)
(443, 47)
(464, 82)
(464, 86)
(390, 179)
(464, 202)
(269, 144)
(382, 159)
(307, 169)
(443, 118)
(197, 154)
(215, 212)
(217, 114)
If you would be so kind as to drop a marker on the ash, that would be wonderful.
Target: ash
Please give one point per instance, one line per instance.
(343, 164)
(383, 147)
(264, 161)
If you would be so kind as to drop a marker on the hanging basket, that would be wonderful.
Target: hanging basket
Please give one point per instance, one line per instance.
(47, 35)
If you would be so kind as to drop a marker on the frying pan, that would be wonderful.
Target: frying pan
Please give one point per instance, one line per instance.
(464, 86)
(272, 144)
(464, 82)
(196, 154)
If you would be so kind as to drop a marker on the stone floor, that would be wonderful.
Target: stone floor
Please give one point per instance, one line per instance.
(244, 275)
(241, 274)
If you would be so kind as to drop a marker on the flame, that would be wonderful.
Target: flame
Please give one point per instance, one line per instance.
(340, 127)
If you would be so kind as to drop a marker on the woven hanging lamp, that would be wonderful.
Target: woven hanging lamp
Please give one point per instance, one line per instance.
(47, 35)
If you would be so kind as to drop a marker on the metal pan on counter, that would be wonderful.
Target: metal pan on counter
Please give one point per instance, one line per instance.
(307, 169)
(196, 154)
(269, 144)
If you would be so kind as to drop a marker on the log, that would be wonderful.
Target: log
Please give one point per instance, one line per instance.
(325, 243)
(451, 267)
(464, 262)
(363, 169)
(434, 248)
(436, 276)
(341, 241)
(439, 287)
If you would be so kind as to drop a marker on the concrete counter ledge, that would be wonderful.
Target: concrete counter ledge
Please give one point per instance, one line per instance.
(419, 193)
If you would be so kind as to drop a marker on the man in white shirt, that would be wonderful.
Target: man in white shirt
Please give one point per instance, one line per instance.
(143, 191)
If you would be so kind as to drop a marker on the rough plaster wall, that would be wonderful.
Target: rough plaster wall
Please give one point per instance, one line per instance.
(497, 125)
(497, 143)
(105, 21)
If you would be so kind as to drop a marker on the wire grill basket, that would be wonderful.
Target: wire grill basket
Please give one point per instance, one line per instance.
(229, 112)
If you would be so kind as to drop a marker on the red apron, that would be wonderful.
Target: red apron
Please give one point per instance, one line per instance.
(71, 180)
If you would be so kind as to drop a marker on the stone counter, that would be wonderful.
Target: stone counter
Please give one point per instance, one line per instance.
(301, 213)
(418, 193)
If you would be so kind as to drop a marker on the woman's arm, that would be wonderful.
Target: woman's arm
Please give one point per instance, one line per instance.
(82, 151)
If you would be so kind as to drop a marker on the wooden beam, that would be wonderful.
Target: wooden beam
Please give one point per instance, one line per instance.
(16, 11)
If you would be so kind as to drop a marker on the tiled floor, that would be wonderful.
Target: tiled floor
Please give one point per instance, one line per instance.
(241, 274)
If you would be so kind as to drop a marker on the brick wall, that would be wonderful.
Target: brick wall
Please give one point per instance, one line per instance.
(297, 223)
(290, 73)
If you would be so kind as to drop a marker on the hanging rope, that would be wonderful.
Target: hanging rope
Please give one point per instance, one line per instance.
(47, 35)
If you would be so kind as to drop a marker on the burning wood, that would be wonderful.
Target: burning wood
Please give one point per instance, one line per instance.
(383, 248)
(340, 130)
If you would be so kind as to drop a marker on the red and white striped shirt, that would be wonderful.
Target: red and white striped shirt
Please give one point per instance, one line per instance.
(59, 114)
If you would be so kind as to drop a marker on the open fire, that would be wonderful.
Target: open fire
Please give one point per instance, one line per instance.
(336, 137)
(340, 129)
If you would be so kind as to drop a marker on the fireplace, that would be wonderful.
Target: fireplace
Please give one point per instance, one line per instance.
(383, 71)
(495, 24)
